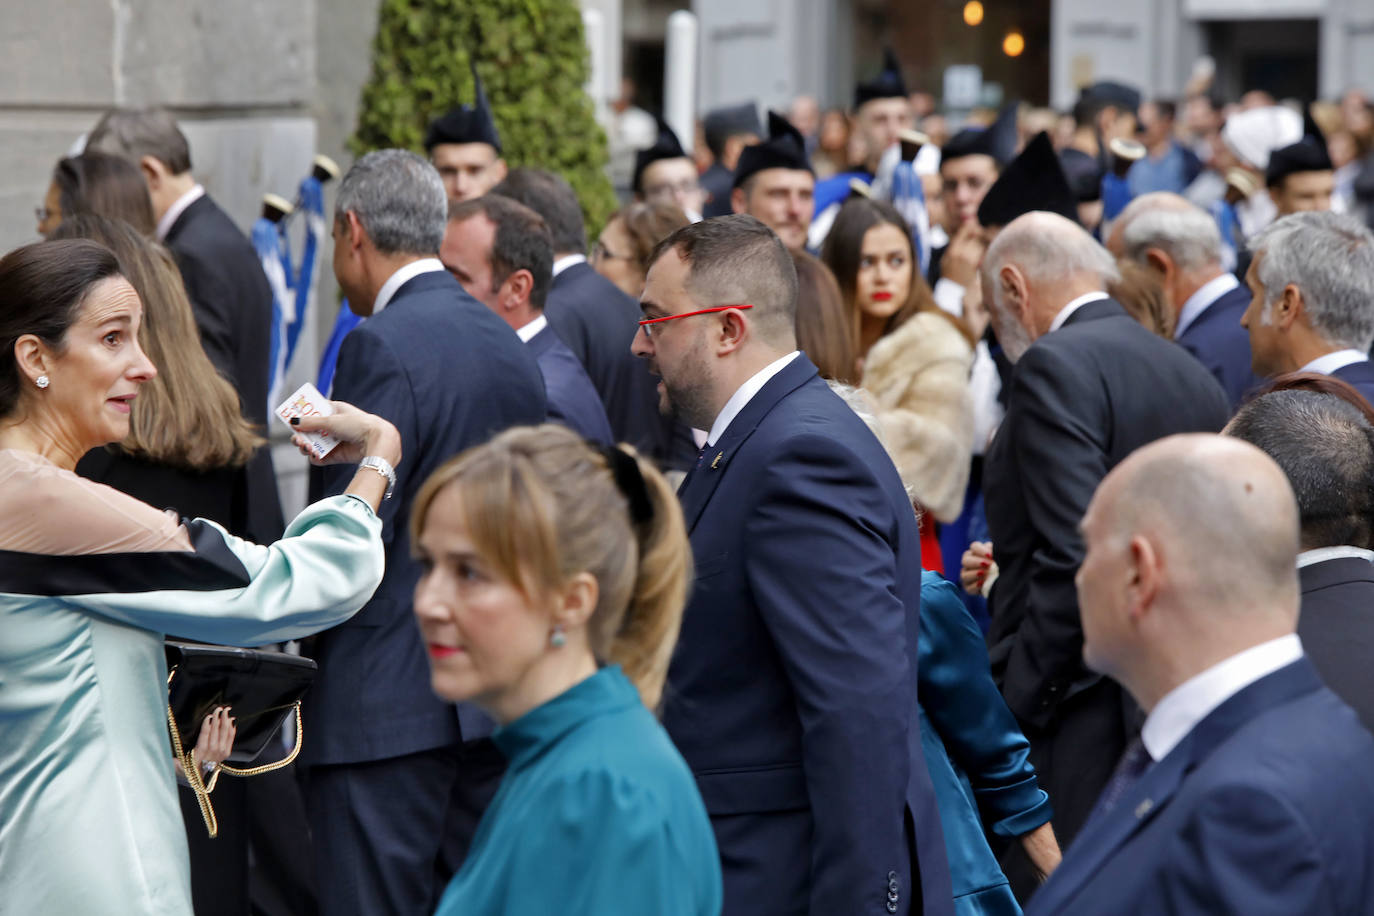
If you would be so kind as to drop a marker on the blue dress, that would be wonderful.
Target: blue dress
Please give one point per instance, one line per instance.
(976, 754)
(597, 815)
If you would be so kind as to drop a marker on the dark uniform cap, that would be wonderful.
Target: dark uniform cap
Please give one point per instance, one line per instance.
(1307, 155)
(666, 146)
(784, 149)
(886, 85)
(1032, 181)
(997, 140)
(466, 123)
(723, 123)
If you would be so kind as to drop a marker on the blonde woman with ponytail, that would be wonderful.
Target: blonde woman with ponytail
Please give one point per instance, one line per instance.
(555, 575)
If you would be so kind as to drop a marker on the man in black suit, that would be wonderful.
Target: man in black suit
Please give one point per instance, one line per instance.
(398, 780)
(230, 297)
(1325, 447)
(501, 253)
(1180, 243)
(792, 693)
(597, 322)
(1089, 386)
(1312, 307)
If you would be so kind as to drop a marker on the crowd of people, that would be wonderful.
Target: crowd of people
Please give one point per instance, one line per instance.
(876, 517)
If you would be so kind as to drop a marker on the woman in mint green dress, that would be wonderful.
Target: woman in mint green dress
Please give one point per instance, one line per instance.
(555, 575)
(91, 579)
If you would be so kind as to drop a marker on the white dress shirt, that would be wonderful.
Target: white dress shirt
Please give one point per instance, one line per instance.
(568, 260)
(401, 277)
(1190, 702)
(1322, 554)
(1204, 296)
(1067, 311)
(1338, 359)
(744, 394)
(527, 332)
(177, 208)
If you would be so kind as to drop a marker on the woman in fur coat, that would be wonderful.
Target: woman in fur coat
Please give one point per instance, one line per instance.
(913, 358)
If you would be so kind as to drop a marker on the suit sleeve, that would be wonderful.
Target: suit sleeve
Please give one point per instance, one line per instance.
(371, 377)
(1247, 851)
(1059, 428)
(212, 305)
(824, 577)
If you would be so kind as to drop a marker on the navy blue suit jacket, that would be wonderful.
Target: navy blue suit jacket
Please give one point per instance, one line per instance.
(1361, 375)
(572, 399)
(598, 323)
(1219, 342)
(449, 374)
(793, 694)
(1265, 807)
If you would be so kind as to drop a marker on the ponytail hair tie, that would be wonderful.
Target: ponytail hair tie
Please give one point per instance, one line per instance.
(628, 480)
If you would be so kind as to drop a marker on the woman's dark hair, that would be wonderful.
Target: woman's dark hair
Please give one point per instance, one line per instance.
(843, 251)
(106, 185)
(43, 286)
(823, 330)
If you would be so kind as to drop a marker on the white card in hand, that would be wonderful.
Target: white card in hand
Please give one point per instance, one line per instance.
(308, 402)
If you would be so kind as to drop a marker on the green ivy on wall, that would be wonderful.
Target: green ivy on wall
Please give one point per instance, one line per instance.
(532, 57)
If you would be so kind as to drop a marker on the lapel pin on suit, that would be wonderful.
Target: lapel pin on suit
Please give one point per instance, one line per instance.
(1143, 808)
(715, 462)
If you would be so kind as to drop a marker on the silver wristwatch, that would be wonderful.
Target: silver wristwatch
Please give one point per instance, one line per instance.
(383, 467)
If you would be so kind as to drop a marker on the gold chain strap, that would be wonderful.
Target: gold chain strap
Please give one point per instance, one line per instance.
(201, 789)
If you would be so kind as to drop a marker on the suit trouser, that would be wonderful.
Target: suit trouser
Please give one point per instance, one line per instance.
(390, 834)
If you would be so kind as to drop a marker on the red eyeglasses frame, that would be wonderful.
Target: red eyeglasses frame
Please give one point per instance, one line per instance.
(718, 308)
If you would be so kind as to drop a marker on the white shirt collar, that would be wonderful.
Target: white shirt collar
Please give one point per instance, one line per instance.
(1074, 306)
(568, 260)
(177, 208)
(534, 327)
(401, 277)
(1338, 359)
(1204, 296)
(744, 394)
(1322, 554)
(1190, 702)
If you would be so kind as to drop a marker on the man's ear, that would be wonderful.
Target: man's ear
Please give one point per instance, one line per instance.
(499, 170)
(1289, 308)
(733, 332)
(353, 230)
(737, 202)
(1014, 290)
(154, 172)
(1160, 262)
(516, 289)
(1146, 572)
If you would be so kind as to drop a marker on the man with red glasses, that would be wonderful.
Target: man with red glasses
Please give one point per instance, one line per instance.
(792, 692)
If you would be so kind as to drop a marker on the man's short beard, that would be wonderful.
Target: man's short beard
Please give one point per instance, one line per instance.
(688, 395)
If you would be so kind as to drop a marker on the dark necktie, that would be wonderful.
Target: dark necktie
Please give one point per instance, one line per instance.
(1132, 766)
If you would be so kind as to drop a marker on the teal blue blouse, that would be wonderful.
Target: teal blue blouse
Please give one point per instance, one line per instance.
(597, 814)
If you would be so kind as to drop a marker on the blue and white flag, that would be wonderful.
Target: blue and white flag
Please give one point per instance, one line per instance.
(269, 240)
(344, 322)
(311, 202)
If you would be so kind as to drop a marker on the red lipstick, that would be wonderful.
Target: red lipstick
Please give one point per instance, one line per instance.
(436, 651)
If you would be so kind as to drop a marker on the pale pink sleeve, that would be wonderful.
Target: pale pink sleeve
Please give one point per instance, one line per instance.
(45, 509)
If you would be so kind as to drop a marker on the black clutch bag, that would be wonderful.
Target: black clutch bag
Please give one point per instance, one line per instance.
(260, 688)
